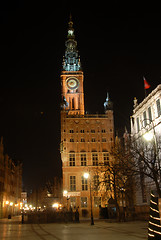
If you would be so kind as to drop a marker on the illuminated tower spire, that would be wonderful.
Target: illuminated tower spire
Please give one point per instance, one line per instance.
(71, 60)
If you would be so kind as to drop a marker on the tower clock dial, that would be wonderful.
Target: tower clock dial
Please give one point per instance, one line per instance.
(72, 83)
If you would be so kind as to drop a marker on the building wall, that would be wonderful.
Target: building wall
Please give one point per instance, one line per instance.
(146, 118)
(10, 184)
(84, 135)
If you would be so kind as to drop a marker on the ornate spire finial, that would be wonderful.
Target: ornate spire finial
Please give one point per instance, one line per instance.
(108, 105)
(70, 28)
(71, 60)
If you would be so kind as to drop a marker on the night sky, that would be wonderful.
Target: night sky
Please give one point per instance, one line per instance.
(118, 45)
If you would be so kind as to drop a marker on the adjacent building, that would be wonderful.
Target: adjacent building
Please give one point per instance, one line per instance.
(146, 119)
(10, 184)
(86, 139)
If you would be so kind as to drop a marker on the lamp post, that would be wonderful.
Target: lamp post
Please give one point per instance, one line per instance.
(65, 194)
(87, 176)
(148, 135)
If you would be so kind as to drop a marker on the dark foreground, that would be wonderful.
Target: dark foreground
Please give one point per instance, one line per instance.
(12, 229)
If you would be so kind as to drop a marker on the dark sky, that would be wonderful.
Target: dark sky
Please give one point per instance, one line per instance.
(118, 45)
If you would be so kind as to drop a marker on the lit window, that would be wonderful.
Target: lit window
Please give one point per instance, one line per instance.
(84, 184)
(97, 201)
(84, 202)
(72, 202)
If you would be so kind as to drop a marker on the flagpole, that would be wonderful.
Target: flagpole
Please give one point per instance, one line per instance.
(145, 92)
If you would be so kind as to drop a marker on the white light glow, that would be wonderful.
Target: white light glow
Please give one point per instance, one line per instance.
(148, 136)
(55, 205)
(86, 175)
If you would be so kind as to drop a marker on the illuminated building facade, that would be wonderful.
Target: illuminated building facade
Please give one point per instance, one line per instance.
(10, 185)
(86, 139)
(146, 119)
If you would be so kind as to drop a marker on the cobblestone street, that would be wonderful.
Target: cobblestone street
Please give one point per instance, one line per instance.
(14, 230)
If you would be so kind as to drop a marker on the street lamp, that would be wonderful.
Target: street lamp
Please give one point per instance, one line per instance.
(87, 176)
(65, 194)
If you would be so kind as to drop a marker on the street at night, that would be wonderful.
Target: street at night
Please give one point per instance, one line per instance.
(80, 122)
(14, 230)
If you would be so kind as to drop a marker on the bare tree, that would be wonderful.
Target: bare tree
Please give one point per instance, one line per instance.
(147, 161)
(121, 178)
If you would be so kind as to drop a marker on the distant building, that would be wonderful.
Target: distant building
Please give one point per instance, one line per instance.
(86, 139)
(146, 118)
(10, 184)
(44, 197)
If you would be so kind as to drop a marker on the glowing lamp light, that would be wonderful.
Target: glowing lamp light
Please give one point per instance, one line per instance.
(55, 205)
(65, 192)
(86, 175)
(11, 203)
(7, 202)
(148, 136)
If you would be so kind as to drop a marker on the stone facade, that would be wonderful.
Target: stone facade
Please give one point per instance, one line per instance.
(86, 140)
(10, 184)
(146, 118)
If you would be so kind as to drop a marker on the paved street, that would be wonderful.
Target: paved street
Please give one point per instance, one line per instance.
(102, 230)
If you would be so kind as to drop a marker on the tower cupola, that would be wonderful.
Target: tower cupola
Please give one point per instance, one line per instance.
(71, 60)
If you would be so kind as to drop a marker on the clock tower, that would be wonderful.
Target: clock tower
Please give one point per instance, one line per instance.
(72, 76)
(86, 139)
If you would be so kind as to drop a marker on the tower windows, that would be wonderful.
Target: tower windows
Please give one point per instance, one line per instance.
(106, 159)
(82, 140)
(71, 159)
(72, 183)
(83, 159)
(84, 184)
(71, 140)
(95, 159)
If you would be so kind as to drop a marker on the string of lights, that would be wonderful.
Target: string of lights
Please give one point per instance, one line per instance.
(154, 229)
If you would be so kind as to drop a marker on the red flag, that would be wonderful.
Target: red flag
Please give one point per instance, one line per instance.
(146, 84)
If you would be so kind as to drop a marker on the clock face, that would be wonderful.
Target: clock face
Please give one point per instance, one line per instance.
(72, 83)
